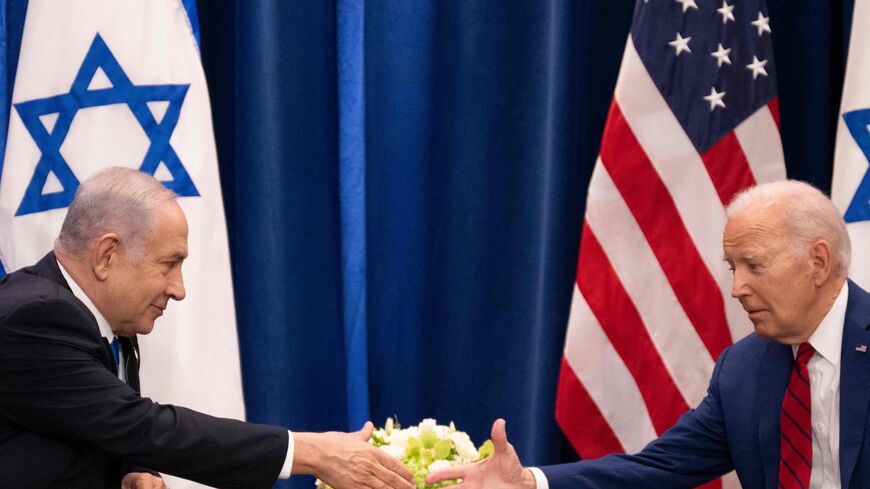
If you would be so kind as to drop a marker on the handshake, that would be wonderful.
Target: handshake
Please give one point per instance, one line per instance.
(347, 460)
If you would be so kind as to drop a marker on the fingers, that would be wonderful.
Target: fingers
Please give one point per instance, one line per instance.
(142, 480)
(395, 466)
(499, 436)
(447, 474)
(366, 432)
(392, 479)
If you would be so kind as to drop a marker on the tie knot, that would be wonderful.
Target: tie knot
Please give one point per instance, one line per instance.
(804, 353)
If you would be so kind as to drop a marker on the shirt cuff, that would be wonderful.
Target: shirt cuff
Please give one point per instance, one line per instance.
(288, 462)
(540, 478)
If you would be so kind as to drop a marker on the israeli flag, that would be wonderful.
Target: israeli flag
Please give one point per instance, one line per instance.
(106, 83)
(850, 189)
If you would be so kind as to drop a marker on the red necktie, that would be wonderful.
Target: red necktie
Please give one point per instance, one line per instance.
(796, 426)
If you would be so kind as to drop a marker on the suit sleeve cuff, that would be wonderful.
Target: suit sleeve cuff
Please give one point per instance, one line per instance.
(540, 478)
(288, 462)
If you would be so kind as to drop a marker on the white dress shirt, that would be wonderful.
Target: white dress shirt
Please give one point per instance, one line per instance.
(824, 370)
(106, 332)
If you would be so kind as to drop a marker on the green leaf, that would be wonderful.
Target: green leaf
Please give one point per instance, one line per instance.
(443, 449)
(486, 450)
(377, 440)
(429, 438)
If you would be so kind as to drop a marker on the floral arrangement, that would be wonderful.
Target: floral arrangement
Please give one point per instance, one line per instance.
(427, 447)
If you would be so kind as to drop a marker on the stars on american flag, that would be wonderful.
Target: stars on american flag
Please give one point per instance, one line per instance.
(724, 38)
(721, 56)
(681, 44)
(687, 4)
(757, 67)
(727, 12)
(715, 99)
(762, 24)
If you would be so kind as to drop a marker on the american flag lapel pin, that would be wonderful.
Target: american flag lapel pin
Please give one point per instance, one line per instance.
(861, 348)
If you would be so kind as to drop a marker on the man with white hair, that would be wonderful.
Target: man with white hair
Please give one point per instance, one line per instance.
(787, 407)
(70, 411)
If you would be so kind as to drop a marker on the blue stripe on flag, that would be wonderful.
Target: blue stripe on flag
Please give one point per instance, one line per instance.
(352, 195)
(190, 7)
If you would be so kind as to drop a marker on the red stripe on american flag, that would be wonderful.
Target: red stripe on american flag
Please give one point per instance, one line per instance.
(608, 300)
(728, 167)
(656, 213)
(581, 420)
(773, 105)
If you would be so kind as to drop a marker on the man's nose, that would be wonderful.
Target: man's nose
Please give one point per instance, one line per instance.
(175, 288)
(738, 285)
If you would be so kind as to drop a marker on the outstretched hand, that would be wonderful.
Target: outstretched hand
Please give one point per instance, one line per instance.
(142, 480)
(502, 470)
(348, 461)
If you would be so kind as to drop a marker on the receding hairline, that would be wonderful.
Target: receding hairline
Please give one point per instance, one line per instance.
(804, 212)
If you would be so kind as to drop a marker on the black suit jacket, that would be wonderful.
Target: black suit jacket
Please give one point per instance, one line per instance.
(66, 420)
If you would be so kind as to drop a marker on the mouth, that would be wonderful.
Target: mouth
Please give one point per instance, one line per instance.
(756, 313)
(159, 310)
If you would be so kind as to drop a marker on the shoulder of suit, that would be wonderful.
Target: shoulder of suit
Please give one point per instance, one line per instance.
(748, 347)
(26, 297)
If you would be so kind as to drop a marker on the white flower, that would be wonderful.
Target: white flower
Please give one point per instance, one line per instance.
(394, 451)
(439, 465)
(442, 432)
(464, 445)
(429, 441)
(400, 437)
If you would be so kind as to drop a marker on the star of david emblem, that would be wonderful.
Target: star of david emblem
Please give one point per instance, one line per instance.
(857, 121)
(122, 91)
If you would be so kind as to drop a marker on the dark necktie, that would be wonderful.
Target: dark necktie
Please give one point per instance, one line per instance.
(131, 362)
(796, 425)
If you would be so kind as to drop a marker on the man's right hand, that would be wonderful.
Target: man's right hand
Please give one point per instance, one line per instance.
(348, 461)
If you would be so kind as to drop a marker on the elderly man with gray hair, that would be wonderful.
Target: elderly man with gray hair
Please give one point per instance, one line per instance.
(788, 406)
(70, 411)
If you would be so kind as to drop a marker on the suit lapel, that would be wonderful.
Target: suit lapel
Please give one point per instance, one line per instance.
(854, 381)
(775, 369)
(48, 268)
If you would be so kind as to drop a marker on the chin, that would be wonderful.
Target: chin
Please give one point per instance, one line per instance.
(145, 328)
(763, 330)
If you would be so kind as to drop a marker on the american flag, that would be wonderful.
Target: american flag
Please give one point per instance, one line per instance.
(694, 120)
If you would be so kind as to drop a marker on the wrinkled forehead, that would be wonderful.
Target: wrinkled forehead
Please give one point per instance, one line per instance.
(756, 227)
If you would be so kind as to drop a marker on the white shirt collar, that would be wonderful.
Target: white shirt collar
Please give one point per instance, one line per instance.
(77, 291)
(827, 339)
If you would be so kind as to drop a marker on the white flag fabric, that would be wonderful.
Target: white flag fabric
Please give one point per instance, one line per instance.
(105, 83)
(850, 188)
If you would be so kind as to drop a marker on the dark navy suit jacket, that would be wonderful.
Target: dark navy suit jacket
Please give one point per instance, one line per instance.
(67, 421)
(736, 426)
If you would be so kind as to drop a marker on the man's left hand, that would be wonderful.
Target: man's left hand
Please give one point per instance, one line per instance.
(142, 480)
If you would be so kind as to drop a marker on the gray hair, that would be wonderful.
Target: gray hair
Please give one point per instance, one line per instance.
(115, 200)
(808, 215)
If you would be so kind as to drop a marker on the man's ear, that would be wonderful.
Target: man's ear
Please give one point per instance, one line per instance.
(823, 261)
(105, 255)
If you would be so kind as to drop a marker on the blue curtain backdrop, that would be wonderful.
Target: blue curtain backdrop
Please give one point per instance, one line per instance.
(474, 127)
(404, 186)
